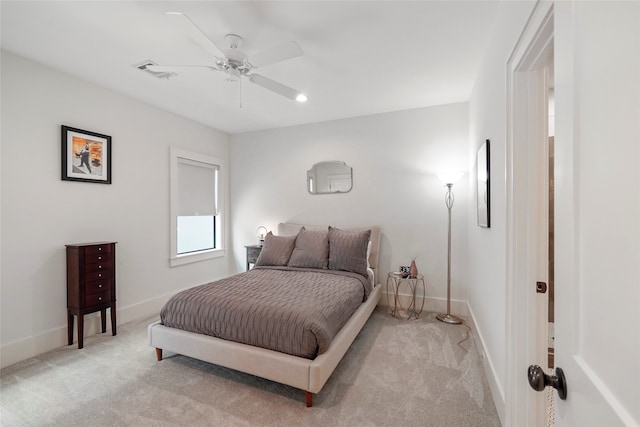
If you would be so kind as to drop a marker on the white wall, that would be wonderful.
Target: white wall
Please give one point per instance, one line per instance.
(487, 246)
(41, 213)
(394, 157)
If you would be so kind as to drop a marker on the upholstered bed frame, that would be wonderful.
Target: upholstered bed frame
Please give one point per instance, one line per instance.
(309, 375)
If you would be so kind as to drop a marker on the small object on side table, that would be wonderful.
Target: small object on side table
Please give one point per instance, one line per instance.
(404, 271)
(413, 270)
(253, 252)
(91, 285)
(395, 281)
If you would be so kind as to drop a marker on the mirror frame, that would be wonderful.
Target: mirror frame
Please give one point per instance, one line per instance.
(334, 163)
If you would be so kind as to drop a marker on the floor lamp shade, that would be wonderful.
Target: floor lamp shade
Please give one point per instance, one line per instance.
(450, 177)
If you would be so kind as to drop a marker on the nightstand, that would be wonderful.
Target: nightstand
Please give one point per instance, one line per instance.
(91, 285)
(395, 282)
(253, 252)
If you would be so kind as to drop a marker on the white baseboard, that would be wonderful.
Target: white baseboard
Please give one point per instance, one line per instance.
(436, 305)
(497, 391)
(35, 345)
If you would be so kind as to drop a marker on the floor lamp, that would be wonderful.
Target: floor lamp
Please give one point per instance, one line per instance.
(449, 180)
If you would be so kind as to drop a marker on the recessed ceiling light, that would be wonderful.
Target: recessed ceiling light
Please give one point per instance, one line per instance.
(301, 97)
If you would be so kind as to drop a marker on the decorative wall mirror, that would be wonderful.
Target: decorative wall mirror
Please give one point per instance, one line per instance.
(330, 177)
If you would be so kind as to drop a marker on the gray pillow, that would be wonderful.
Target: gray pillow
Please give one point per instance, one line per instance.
(348, 250)
(311, 250)
(276, 250)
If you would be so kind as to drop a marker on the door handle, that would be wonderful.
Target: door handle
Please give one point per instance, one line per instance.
(538, 380)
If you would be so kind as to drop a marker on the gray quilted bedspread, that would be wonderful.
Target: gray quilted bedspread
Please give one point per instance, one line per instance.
(293, 311)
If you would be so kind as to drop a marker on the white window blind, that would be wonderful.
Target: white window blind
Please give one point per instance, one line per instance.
(197, 188)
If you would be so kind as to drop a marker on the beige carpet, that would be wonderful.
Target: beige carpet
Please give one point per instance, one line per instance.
(398, 372)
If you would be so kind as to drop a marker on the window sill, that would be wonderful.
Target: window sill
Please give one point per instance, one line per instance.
(196, 257)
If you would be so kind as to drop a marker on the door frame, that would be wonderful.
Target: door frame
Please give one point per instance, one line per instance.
(526, 149)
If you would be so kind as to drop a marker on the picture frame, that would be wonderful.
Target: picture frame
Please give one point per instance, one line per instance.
(86, 156)
(484, 185)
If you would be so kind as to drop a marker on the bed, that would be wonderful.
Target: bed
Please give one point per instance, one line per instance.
(309, 367)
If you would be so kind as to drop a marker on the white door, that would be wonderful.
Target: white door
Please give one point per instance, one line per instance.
(597, 153)
(596, 48)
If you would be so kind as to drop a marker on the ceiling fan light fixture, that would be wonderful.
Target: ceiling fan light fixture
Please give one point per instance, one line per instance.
(301, 97)
(233, 75)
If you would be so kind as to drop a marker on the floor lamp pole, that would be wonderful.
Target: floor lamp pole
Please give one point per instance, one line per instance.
(448, 317)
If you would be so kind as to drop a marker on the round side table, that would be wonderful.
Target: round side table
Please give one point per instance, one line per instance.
(395, 282)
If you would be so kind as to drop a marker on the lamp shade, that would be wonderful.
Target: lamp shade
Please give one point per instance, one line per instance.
(261, 232)
(450, 177)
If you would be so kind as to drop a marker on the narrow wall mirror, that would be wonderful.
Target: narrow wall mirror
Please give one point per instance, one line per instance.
(329, 177)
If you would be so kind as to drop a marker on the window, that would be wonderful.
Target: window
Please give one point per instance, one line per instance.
(196, 218)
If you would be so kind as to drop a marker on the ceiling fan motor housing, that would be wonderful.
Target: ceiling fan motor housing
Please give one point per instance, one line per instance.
(233, 40)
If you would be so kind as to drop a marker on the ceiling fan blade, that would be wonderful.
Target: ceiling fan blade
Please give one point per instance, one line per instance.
(173, 68)
(276, 54)
(276, 87)
(201, 37)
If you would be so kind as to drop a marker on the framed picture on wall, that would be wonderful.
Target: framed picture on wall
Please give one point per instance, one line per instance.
(86, 156)
(484, 187)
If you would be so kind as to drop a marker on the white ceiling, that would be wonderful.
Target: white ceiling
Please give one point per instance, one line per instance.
(360, 57)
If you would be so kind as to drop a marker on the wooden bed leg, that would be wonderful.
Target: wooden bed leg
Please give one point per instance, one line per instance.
(309, 398)
(159, 354)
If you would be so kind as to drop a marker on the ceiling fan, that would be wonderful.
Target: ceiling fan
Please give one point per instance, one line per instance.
(235, 63)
